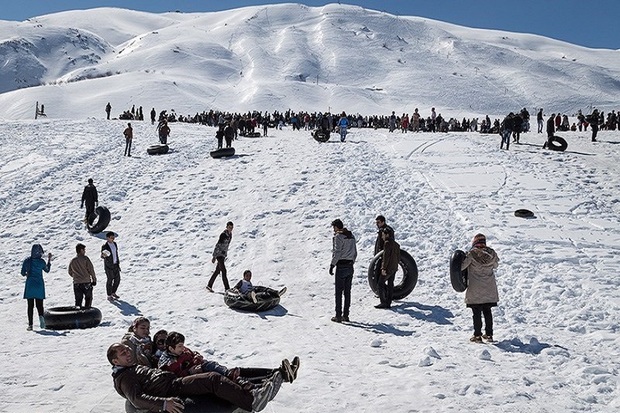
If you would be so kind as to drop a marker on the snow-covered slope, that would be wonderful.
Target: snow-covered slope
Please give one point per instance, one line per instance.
(279, 56)
(557, 324)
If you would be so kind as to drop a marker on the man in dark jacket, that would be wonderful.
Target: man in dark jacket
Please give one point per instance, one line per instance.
(344, 253)
(219, 254)
(229, 134)
(381, 225)
(389, 266)
(157, 390)
(111, 265)
(506, 130)
(90, 198)
(550, 130)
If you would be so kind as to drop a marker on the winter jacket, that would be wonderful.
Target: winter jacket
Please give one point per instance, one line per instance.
(344, 247)
(108, 262)
(32, 269)
(481, 285)
(81, 270)
(142, 348)
(379, 241)
(244, 286)
(179, 365)
(138, 383)
(221, 248)
(90, 196)
(391, 257)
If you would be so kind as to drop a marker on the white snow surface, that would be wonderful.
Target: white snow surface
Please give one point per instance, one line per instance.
(335, 57)
(557, 324)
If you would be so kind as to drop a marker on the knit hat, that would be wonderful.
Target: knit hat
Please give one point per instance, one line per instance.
(479, 241)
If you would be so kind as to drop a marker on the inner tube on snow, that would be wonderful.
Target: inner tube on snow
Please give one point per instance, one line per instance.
(266, 299)
(222, 153)
(458, 277)
(66, 318)
(524, 213)
(195, 404)
(98, 220)
(320, 136)
(252, 135)
(557, 143)
(157, 149)
(408, 282)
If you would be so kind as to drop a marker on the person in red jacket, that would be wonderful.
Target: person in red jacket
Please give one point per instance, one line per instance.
(183, 362)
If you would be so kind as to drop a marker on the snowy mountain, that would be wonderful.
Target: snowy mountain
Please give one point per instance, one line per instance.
(280, 56)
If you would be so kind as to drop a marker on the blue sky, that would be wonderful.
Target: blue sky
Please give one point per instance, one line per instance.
(594, 23)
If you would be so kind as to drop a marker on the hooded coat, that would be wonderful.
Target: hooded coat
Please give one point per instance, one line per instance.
(481, 287)
(32, 269)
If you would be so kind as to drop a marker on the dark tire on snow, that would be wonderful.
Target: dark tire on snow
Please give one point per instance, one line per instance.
(407, 283)
(458, 277)
(320, 136)
(67, 318)
(266, 299)
(557, 143)
(222, 153)
(99, 220)
(524, 213)
(157, 149)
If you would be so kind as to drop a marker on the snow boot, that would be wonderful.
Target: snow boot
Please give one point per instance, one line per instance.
(42, 322)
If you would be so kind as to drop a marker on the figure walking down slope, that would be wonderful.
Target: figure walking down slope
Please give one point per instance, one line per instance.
(90, 197)
(481, 294)
(34, 290)
(219, 254)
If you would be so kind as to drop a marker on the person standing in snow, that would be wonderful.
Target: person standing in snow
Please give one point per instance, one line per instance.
(594, 121)
(128, 133)
(506, 130)
(392, 123)
(90, 198)
(83, 273)
(108, 109)
(219, 254)
(381, 225)
(389, 266)
(164, 131)
(34, 290)
(481, 294)
(539, 119)
(550, 130)
(153, 115)
(343, 124)
(111, 265)
(344, 253)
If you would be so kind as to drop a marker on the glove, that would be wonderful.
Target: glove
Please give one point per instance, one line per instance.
(93, 283)
(331, 269)
(213, 260)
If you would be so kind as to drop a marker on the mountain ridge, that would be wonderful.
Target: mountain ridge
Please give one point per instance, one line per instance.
(335, 57)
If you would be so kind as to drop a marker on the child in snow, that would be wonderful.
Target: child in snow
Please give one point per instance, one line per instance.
(139, 340)
(182, 361)
(245, 286)
(481, 294)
